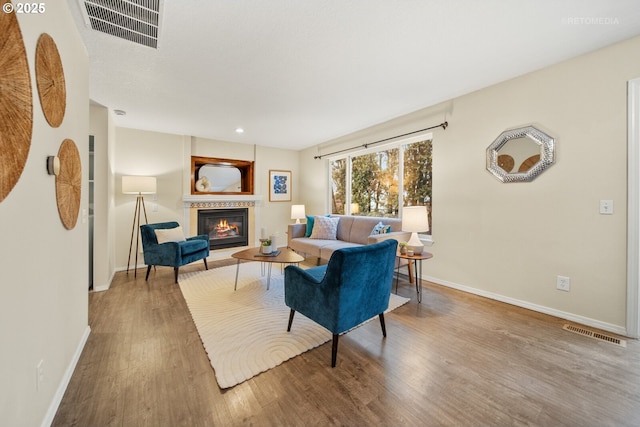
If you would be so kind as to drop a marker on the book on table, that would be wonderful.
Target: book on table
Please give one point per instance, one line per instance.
(274, 253)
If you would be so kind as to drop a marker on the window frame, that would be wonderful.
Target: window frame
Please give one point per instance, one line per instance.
(427, 239)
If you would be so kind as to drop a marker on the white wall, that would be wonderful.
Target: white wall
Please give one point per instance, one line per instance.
(510, 241)
(44, 279)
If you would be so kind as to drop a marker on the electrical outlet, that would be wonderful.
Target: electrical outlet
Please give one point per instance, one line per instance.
(563, 283)
(39, 375)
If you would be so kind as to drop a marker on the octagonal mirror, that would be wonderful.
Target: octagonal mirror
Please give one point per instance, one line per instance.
(520, 155)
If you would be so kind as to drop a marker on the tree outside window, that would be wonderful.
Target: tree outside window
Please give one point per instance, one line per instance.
(378, 182)
(417, 182)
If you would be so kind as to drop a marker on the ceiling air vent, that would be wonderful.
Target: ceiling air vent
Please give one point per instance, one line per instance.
(133, 20)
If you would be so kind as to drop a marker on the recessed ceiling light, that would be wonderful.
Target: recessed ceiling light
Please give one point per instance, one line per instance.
(239, 130)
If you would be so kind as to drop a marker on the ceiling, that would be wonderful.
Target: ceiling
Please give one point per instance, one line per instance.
(296, 73)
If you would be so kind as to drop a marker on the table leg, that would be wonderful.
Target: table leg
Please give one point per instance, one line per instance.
(418, 268)
(397, 270)
(269, 275)
(237, 270)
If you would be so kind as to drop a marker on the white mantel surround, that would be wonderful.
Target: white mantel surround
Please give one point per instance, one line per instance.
(194, 202)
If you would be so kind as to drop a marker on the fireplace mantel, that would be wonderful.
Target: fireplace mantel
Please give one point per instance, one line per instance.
(188, 200)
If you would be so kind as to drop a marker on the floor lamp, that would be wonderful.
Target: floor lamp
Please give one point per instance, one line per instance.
(138, 185)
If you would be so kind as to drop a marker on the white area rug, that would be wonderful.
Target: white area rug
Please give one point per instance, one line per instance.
(245, 332)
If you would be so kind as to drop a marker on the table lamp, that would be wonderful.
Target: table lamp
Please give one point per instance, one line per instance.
(297, 212)
(415, 220)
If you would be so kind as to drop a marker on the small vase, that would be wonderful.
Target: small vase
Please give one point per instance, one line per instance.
(265, 249)
(403, 250)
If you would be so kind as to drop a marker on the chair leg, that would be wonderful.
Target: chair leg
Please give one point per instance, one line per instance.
(290, 319)
(148, 271)
(206, 267)
(334, 350)
(175, 273)
(384, 328)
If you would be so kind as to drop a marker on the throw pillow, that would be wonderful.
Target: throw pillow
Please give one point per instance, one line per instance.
(380, 228)
(309, 226)
(310, 222)
(325, 228)
(170, 235)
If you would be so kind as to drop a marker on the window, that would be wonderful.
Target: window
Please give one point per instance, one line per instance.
(377, 183)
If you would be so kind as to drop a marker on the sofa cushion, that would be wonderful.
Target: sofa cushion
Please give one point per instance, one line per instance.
(309, 246)
(327, 250)
(324, 228)
(361, 229)
(344, 227)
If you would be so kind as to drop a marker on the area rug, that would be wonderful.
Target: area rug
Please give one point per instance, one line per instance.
(244, 332)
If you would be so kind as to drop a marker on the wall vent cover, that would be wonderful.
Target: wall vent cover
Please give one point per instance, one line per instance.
(135, 20)
(592, 334)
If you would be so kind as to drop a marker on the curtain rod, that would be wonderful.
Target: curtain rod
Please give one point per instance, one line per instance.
(443, 125)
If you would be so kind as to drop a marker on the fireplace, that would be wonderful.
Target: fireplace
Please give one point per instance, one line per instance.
(227, 228)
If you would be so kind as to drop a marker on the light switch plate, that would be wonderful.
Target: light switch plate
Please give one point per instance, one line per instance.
(606, 207)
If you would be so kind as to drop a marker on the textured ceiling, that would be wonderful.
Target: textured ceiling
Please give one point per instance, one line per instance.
(295, 73)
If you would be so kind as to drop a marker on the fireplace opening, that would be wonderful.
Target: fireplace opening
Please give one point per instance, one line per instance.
(227, 228)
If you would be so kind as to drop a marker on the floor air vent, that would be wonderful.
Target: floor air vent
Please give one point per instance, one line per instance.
(133, 20)
(587, 333)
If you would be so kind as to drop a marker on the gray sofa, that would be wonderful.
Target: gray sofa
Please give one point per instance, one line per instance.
(352, 231)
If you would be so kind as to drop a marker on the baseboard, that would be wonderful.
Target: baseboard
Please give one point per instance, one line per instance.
(131, 267)
(106, 286)
(62, 387)
(530, 306)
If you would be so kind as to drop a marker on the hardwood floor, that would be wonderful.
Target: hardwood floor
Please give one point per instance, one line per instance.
(454, 360)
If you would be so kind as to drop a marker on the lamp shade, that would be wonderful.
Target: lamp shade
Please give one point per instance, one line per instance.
(138, 184)
(415, 219)
(297, 212)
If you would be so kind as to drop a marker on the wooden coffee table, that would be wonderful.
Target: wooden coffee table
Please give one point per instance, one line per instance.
(286, 256)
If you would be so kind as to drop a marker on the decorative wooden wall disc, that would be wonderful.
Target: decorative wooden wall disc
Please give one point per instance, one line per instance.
(50, 80)
(16, 108)
(69, 184)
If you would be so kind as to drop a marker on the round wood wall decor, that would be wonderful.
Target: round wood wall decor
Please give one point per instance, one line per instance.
(69, 184)
(16, 107)
(50, 80)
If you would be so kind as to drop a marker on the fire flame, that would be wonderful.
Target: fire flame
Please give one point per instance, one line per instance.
(223, 229)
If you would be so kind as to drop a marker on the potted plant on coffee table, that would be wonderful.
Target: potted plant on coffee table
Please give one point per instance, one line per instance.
(265, 247)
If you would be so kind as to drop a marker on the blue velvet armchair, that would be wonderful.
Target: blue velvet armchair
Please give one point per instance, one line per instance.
(172, 254)
(353, 287)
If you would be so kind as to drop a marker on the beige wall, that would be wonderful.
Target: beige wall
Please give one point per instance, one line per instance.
(510, 241)
(44, 282)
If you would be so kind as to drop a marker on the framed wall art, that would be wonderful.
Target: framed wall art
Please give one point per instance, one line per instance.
(279, 186)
